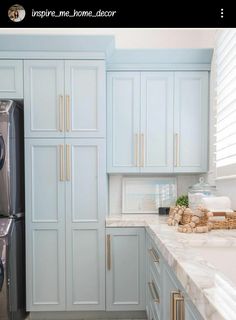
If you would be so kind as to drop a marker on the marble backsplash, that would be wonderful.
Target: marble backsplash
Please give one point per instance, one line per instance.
(115, 189)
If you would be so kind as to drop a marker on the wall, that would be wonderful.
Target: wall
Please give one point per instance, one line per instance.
(138, 38)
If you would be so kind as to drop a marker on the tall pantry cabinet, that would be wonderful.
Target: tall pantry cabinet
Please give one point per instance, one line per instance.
(65, 116)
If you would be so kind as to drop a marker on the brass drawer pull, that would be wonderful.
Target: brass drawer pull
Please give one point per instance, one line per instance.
(154, 255)
(153, 291)
(176, 150)
(108, 252)
(61, 154)
(68, 120)
(61, 114)
(177, 306)
(136, 149)
(68, 163)
(142, 150)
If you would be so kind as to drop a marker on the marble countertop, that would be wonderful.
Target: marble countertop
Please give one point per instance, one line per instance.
(212, 290)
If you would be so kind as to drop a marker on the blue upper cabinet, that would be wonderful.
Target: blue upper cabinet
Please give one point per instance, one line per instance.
(44, 94)
(123, 121)
(191, 122)
(64, 98)
(11, 79)
(140, 121)
(85, 98)
(157, 121)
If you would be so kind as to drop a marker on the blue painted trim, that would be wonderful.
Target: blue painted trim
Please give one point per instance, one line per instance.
(161, 56)
(158, 67)
(61, 43)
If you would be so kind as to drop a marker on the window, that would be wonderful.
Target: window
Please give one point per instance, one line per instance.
(226, 104)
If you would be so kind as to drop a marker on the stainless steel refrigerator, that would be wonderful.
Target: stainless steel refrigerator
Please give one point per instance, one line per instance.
(12, 235)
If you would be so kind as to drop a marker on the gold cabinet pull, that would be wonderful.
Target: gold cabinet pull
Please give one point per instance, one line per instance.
(61, 114)
(154, 255)
(177, 306)
(136, 142)
(108, 252)
(153, 291)
(61, 151)
(142, 150)
(68, 162)
(176, 150)
(68, 113)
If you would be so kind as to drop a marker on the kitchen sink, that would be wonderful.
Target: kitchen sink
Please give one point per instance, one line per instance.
(223, 258)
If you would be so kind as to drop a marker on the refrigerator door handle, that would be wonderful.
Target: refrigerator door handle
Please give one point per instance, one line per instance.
(2, 152)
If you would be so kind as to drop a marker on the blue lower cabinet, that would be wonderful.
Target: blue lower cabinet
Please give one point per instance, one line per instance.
(125, 274)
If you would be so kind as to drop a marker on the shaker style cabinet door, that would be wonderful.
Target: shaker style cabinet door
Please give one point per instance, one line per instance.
(191, 122)
(11, 79)
(85, 215)
(44, 98)
(45, 224)
(125, 275)
(123, 121)
(85, 99)
(156, 122)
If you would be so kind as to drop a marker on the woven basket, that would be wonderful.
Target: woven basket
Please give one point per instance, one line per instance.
(228, 223)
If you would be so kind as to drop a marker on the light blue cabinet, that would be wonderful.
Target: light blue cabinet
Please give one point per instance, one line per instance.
(191, 121)
(85, 232)
(45, 224)
(140, 121)
(65, 212)
(43, 98)
(125, 272)
(11, 79)
(85, 98)
(165, 296)
(157, 122)
(156, 145)
(65, 114)
(123, 121)
(64, 98)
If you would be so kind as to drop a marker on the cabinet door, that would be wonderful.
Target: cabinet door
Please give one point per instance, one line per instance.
(156, 122)
(85, 218)
(85, 98)
(123, 114)
(45, 219)
(44, 98)
(191, 121)
(11, 79)
(125, 275)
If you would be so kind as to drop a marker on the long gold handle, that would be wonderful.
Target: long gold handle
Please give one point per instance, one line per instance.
(177, 306)
(154, 255)
(68, 120)
(153, 291)
(61, 114)
(142, 150)
(68, 162)
(108, 252)
(136, 149)
(61, 148)
(176, 150)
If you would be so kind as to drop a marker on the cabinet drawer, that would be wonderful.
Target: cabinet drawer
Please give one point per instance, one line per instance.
(154, 290)
(154, 256)
(153, 314)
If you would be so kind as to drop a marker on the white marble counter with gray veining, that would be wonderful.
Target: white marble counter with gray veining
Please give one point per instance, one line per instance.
(204, 263)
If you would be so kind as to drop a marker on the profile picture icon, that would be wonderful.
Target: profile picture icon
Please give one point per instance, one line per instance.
(16, 13)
